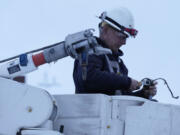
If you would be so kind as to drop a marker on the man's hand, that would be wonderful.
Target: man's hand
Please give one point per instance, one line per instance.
(134, 85)
(150, 91)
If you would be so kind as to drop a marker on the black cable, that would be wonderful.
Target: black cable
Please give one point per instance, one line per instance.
(165, 82)
(33, 51)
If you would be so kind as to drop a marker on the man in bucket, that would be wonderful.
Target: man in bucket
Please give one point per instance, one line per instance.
(108, 74)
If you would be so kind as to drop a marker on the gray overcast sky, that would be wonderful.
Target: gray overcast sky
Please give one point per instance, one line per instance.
(31, 24)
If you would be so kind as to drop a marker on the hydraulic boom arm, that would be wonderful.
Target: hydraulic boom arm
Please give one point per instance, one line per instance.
(78, 46)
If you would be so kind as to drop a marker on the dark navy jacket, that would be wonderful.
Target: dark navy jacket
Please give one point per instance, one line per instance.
(99, 79)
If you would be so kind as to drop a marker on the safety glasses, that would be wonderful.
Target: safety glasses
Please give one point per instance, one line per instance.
(132, 32)
(119, 31)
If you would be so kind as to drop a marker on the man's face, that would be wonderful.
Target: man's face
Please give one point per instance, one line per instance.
(114, 38)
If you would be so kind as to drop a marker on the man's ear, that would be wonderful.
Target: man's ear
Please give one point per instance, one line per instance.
(104, 29)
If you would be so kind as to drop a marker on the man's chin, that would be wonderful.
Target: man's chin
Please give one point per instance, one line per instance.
(124, 42)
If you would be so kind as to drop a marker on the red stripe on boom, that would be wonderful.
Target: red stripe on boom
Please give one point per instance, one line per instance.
(38, 59)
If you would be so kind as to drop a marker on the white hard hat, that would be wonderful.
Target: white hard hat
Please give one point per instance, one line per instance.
(121, 19)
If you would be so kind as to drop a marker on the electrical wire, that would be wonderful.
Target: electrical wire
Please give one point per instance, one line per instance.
(150, 82)
(165, 82)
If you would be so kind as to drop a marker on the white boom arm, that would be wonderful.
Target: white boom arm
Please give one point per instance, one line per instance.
(78, 46)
